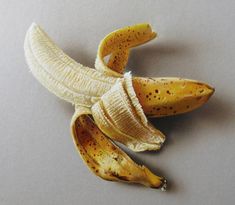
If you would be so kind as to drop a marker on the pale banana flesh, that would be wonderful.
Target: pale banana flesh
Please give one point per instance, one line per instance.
(118, 103)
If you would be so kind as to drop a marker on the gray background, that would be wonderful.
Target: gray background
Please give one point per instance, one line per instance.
(38, 161)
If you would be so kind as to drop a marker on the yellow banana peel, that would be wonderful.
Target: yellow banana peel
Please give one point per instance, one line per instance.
(110, 105)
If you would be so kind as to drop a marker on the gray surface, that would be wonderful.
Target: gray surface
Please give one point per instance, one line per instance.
(38, 161)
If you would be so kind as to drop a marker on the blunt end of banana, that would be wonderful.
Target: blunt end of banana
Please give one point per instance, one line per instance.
(163, 186)
(154, 181)
(154, 35)
(33, 24)
(200, 95)
(209, 91)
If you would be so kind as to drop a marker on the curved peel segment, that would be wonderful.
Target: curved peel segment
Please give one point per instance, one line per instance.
(170, 96)
(120, 116)
(117, 45)
(104, 158)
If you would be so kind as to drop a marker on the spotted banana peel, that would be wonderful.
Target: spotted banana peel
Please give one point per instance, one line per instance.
(110, 105)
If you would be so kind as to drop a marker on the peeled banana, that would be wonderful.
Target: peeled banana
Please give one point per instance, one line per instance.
(110, 105)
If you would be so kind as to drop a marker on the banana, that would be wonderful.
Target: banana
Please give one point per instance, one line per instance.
(111, 105)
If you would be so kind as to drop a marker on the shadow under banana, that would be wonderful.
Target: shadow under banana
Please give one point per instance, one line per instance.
(110, 105)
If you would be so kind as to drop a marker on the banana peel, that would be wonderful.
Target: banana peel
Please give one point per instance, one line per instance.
(110, 105)
(104, 158)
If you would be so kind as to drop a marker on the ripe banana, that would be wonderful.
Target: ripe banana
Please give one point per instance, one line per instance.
(117, 102)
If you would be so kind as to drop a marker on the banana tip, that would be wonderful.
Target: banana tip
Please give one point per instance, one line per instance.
(164, 185)
(211, 91)
(33, 24)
